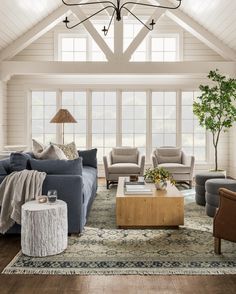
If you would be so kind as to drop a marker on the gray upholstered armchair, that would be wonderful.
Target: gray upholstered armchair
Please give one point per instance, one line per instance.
(122, 162)
(176, 162)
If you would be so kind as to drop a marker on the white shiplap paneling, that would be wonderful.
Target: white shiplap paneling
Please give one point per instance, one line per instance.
(216, 16)
(3, 114)
(16, 17)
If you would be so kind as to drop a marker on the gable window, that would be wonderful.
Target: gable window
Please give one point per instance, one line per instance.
(164, 48)
(72, 48)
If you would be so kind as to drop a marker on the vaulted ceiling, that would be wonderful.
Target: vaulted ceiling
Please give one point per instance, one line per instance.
(18, 16)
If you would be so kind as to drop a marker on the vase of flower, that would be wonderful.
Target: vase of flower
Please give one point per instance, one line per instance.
(159, 176)
(161, 185)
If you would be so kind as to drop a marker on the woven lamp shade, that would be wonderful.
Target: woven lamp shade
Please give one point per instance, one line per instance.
(63, 116)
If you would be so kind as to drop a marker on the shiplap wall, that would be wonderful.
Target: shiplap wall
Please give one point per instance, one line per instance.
(193, 49)
(232, 151)
(3, 114)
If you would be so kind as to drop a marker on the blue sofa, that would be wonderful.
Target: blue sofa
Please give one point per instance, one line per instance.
(77, 190)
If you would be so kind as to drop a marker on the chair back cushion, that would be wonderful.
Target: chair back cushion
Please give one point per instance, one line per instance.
(124, 155)
(168, 155)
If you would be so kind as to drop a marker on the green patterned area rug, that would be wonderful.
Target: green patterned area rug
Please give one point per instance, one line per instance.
(104, 249)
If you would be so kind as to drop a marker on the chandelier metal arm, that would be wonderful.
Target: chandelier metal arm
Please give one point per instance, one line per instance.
(89, 3)
(150, 29)
(151, 5)
(107, 30)
(87, 18)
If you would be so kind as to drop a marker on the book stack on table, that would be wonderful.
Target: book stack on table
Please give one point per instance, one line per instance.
(137, 189)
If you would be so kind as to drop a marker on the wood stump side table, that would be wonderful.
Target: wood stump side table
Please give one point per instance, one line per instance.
(44, 228)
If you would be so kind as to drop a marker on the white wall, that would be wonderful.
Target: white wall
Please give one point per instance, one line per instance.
(232, 151)
(3, 114)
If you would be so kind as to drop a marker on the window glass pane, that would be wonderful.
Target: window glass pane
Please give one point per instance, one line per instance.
(157, 44)
(67, 56)
(170, 44)
(43, 109)
(169, 56)
(80, 56)
(80, 44)
(67, 44)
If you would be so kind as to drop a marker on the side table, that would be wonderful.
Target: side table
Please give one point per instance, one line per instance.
(44, 228)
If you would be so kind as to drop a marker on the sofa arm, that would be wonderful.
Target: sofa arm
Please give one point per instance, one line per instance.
(70, 190)
(154, 159)
(141, 164)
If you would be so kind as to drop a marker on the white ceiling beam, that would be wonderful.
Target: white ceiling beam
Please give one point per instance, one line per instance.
(103, 5)
(10, 68)
(142, 34)
(118, 39)
(33, 34)
(131, 8)
(197, 30)
(93, 32)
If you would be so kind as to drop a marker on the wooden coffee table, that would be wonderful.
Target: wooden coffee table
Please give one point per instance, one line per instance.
(161, 208)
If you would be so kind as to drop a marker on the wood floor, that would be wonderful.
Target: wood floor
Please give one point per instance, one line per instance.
(10, 245)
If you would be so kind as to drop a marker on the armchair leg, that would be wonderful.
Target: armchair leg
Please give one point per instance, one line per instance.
(190, 184)
(107, 184)
(217, 245)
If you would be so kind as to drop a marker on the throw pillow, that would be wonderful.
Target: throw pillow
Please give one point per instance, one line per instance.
(19, 161)
(89, 157)
(50, 152)
(37, 146)
(58, 167)
(69, 150)
(2, 170)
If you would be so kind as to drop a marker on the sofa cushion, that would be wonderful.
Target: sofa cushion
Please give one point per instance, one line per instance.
(50, 152)
(89, 157)
(169, 155)
(69, 150)
(124, 155)
(176, 168)
(19, 161)
(124, 168)
(89, 175)
(58, 167)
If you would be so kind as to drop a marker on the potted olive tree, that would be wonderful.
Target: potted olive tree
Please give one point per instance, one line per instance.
(215, 107)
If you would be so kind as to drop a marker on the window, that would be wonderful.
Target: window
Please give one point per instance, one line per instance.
(103, 122)
(76, 103)
(134, 120)
(107, 119)
(164, 48)
(43, 109)
(193, 135)
(73, 48)
(163, 119)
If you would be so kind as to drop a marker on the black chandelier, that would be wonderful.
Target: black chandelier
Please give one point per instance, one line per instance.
(117, 9)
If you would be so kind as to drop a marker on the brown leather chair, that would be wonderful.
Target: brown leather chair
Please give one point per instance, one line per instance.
(225, 219)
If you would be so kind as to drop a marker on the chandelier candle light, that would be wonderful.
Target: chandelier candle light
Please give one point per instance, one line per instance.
(117, 7)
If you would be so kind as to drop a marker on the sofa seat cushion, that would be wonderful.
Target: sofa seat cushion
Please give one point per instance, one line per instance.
(124, 168)
(176, 168)
(89, 175)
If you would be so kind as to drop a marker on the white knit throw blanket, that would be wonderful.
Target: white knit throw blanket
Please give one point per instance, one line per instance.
(16, 189)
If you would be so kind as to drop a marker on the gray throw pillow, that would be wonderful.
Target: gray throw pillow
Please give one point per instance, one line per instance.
(58, 167)
(19, 161)
(89, 157)
(51, 152)
(2, 170)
